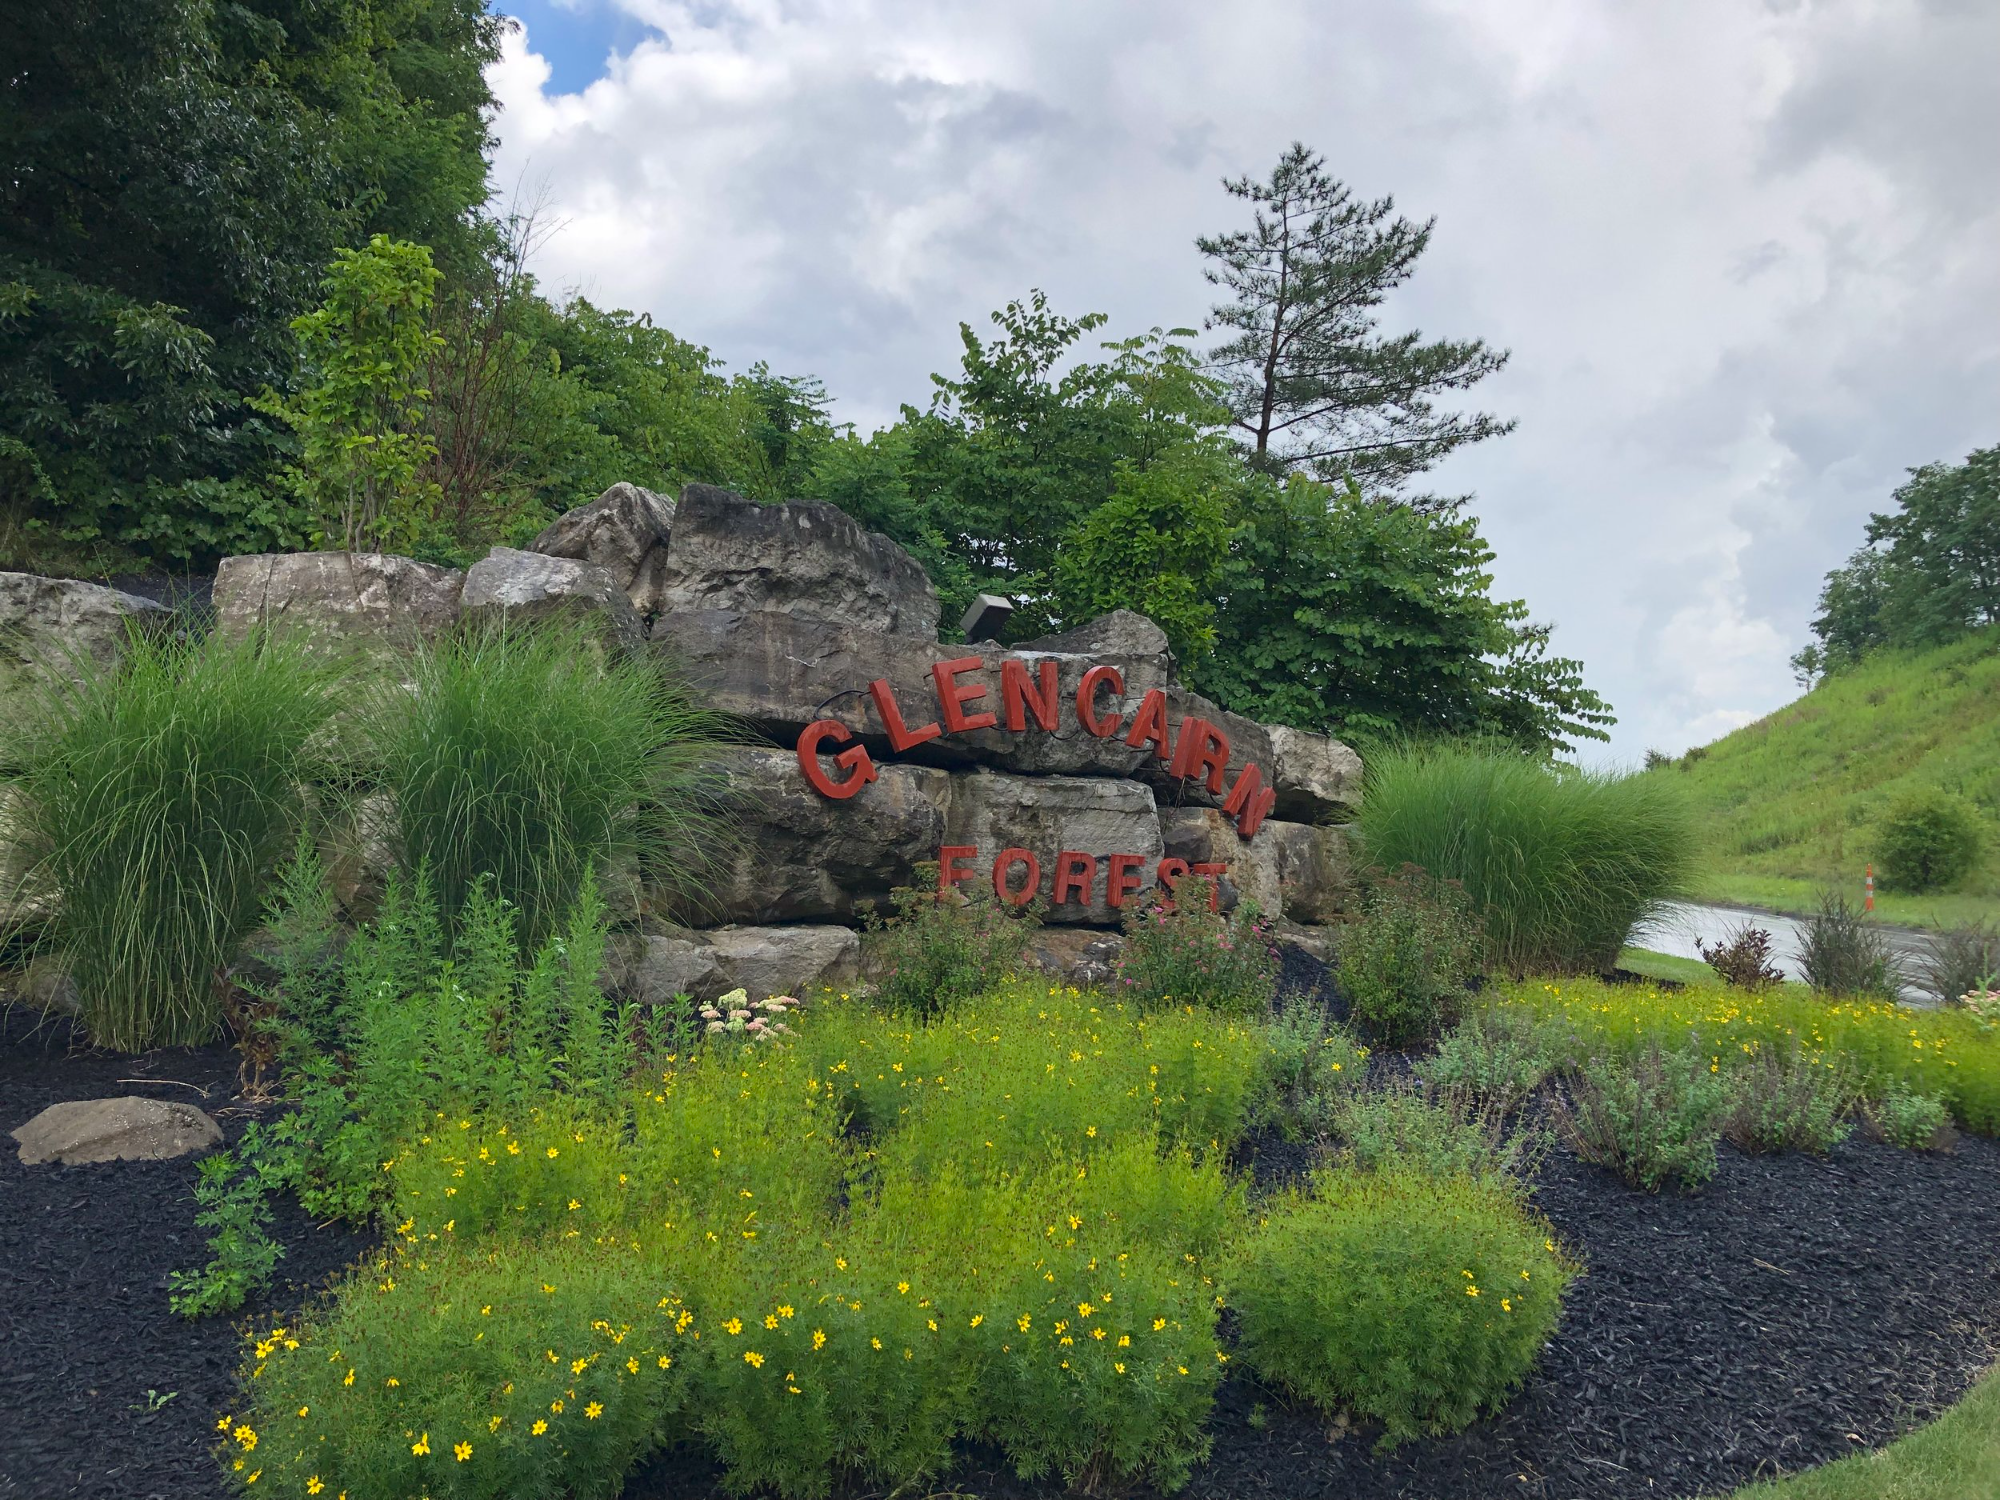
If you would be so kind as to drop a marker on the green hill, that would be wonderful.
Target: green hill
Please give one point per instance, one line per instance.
(1790, 802)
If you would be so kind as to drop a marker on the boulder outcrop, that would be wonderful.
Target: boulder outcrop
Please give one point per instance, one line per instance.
(625, 531)
(338, 600)
(127, 1128)
(61, 626)
(509, 585)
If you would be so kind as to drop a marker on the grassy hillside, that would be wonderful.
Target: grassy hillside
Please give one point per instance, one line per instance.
(1790, 802)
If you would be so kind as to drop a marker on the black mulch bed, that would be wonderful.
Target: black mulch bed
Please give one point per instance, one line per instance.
(1795, 1311)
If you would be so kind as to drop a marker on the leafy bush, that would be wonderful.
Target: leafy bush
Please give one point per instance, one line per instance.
(1914, 1121)
(1499, 1054)
(1842, 953)
(530, 757)
(156, 800)
(1404, 963)
(1559, 864)
(1650, 1117)
(1312, 1063)
(942, 948)
(1417, 1301)
(1927, 840)
(1180, 952)
(1790, 1099)
(1442, 1134)
(1961, 961)
(1743, 959)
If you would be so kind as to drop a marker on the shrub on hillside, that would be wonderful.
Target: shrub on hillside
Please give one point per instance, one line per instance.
(1652, 1117)
(1743, 959)
(1559, 864)
(1404, 963)
(941, 948)
(1181, 952)
(156, 800)
(1416, 1301)
(1841, 952)
(1927, 840)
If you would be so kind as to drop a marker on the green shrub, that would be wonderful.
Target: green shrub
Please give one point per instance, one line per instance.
(530, 756)
(1311, 1064)
(1413, 1300)
(1743, 959)
(1443, 1134)
(1961, 961)
(1559, 864)
(941, 949)
(1405, 962)
(1927, 840)
(1841, 952)
(1500, 1054)
(156, 800)
(1790, 1099)
(1914, 1121)
(1652, 1117)
(1180, 952)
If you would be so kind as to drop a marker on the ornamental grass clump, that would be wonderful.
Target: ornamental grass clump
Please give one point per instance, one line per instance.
(153, 803)
(1842, 952)
(1405, 962)
(1559, 864)
(1653, 1116)
(1179, 950)
(1413, 1300)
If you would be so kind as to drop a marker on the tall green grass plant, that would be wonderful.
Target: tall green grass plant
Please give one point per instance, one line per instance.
(153, 803)
(1560, 864)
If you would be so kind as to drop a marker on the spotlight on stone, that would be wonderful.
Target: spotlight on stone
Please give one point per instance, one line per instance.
(985, 616)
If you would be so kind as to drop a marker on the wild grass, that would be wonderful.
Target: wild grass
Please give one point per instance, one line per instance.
(1559, 864)
(152, 804)
(530, 757)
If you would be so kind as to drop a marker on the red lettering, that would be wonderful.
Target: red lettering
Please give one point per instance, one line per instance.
(855, 760)
(954, 695)
(1075, 871)
(949, 873)
(1214, 873)
(900, 738)
(1120, 880)
(1004, 863)
(1020, 695)
(1202, 748)
(1086, 700)
(1149, 724)
(1249, 801)
(1168, 877)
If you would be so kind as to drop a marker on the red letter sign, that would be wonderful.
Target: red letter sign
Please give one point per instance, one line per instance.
(1168, 876)
(949, 873)
(1074, 872)
(952, 696)
(1119, 879)
(1003, 863)
(1249, 800)
(854, 759)
(1202, 748)
(1149, 724)
(1021, 697)
(1086, 700)
(900, 739)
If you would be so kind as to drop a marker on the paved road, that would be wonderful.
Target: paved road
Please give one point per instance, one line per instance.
(1675, 933)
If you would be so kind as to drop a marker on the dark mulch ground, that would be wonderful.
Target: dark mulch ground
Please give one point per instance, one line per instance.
(1794, 1311)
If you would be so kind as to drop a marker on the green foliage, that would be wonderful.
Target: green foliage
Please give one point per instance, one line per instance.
(1788, 1098)
(1404, 963)
(1914, 1121)
(940, 950)
(1416, 1301)
(1961, 961)
(1500, 1055)
(1342, 615)
(533, 756)
(1744, 959)
(359, 409)
(242, 1254)
(1842, 952)
(1313, 1064)
(1651, 1116)
(1312, 384)
(1559, 864)
(157, 800)
(1179, 952)
(1438, 1133)
(1927, 840)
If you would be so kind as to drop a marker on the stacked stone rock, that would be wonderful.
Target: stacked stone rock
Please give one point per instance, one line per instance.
(786, 616)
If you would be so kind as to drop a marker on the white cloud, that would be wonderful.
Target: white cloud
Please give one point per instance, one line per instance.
(1742, 254)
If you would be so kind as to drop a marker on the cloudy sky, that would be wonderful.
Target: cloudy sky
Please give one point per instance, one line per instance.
(1746, 256)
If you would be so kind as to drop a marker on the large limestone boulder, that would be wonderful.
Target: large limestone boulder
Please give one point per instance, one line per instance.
(56, 625)
(1122, 633)
(768, 961)
(510, 585)
(1314, 869)
(1202, 835)
(342, 601)
(1046, 815)
(1315, 775)
(803, 558)
(127, 1128)
(660, 967)
(794, 856)
(625, 531)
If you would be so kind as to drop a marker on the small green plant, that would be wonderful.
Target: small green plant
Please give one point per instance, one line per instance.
(1926, 841)
(1501, 1054)
(236, 1205)
(942, 948)
(1842, 953)
(1743, 959)
(156, 801)
(1906, 1118)
(1313, 1063)
(1790, 1099)
(1404, 964)
(1414, 1300)
(1653, 1116)
(1442, 1133)
(1180, 951)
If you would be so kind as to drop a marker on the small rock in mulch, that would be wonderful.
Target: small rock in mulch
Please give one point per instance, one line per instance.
(129, 1128)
